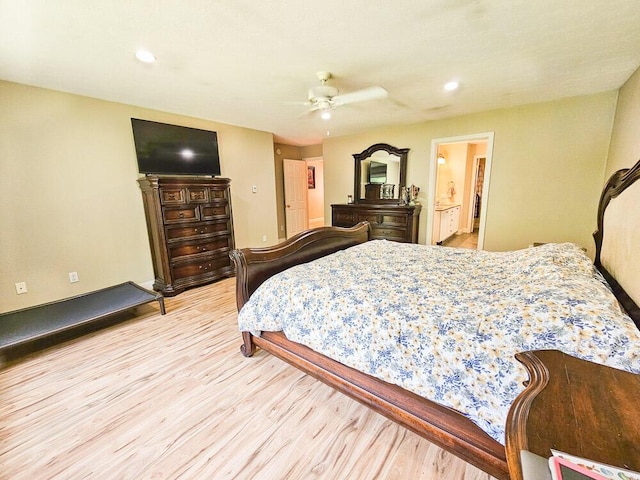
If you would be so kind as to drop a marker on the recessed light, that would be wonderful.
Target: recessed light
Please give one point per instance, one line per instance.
(451, 86)
(145, 56)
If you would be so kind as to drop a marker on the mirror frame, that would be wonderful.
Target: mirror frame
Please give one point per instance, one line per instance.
(403, 153)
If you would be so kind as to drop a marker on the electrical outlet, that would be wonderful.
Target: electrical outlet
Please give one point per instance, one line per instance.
(254, 189)
(21, 287)
(73, 277)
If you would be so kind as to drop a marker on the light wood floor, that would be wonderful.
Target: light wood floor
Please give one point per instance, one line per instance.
(464, 240)
(171, 397)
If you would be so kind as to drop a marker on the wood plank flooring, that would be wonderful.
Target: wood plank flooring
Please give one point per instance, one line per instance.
(464, 240)
(171, 397)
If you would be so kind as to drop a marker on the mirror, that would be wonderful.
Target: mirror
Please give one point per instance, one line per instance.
(380, 173)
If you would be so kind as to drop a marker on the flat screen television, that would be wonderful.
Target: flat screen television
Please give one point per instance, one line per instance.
(164, 149)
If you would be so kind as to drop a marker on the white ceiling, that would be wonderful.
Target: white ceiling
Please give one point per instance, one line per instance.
(251, 62)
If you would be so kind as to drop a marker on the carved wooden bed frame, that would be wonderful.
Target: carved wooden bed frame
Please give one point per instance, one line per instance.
(438, 424)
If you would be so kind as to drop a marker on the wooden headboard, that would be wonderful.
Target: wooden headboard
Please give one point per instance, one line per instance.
(617, 238)
(255, 265)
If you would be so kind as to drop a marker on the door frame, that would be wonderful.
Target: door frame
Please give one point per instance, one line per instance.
(431, 192)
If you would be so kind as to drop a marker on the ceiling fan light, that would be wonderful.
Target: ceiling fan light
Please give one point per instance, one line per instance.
(326, 114)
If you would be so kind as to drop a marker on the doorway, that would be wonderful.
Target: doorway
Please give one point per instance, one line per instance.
(303, 194)
(459, 177)
(295, 196)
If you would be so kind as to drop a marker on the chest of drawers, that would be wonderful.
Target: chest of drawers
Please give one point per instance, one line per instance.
(190, 228)
(392, 222)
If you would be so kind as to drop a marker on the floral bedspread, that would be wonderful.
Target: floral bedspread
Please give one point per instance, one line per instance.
(445, 323)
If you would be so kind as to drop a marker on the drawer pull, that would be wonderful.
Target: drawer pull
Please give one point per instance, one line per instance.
(181, 214)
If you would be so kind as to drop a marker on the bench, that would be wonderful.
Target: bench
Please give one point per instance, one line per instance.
(28, 325)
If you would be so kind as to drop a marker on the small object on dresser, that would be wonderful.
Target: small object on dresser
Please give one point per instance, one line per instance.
(404, 196)
(413, 195)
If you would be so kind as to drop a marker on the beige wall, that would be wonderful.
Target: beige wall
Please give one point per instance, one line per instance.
(70, 200)
(311, 151)
(625, 138)
(547, 171)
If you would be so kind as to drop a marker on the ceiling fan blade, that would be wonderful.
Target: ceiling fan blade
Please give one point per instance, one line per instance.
(308, 113)
(371, 93)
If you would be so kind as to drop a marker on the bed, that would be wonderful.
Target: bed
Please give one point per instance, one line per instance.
(433, 411)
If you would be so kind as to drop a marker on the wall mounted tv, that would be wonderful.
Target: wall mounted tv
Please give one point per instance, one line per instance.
(164, 149)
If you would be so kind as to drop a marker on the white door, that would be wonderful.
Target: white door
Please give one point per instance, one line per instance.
(295, 196)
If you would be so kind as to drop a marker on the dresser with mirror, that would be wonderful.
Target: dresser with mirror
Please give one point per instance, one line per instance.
(379, 177)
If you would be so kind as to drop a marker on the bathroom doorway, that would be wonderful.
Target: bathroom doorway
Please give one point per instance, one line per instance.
(459, 175)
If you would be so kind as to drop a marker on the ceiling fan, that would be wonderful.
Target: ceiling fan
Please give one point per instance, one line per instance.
(325, 97)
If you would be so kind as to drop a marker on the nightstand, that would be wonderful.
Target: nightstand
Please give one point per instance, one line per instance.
(578, 407)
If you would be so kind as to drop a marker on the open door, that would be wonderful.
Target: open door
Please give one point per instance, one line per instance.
(461, 167)
(295, 196)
